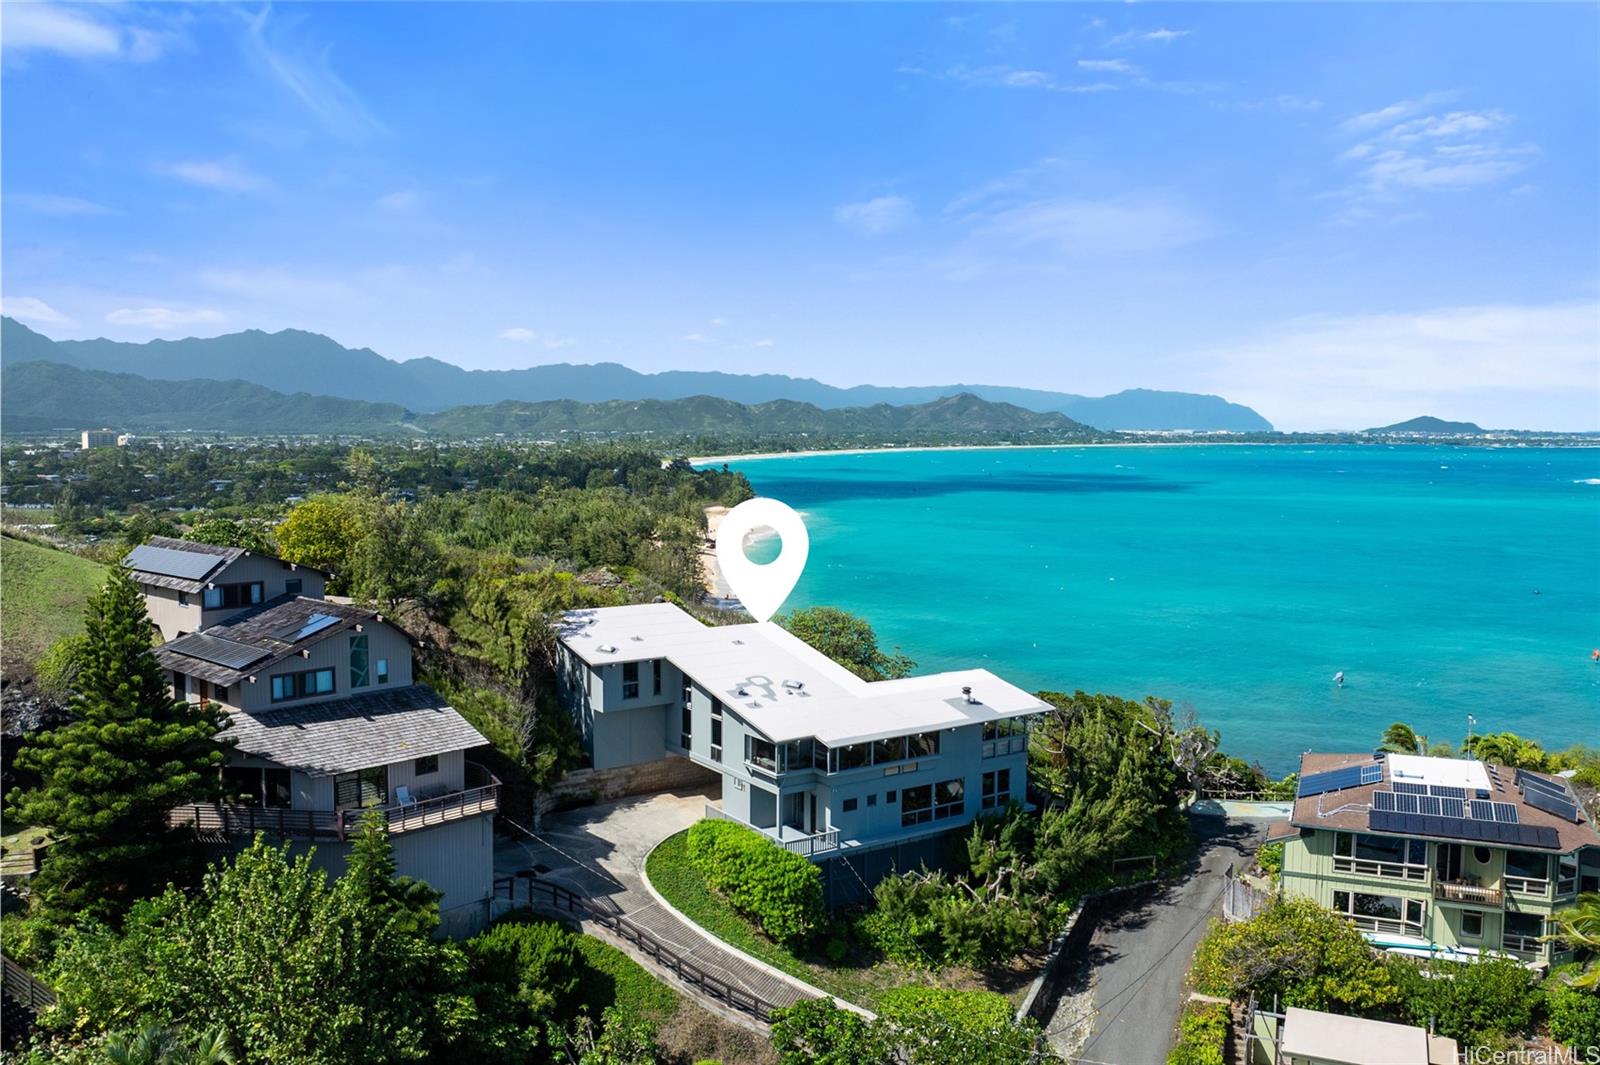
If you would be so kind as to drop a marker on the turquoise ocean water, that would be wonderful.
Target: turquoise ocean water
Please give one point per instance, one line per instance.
(1235, 580)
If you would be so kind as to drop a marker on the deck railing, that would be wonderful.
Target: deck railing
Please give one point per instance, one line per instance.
(806, 846)
(1388, 925)
(1370, 867)
(1528, 945)
(237, 819)
(1452, 891)
(1528, 885)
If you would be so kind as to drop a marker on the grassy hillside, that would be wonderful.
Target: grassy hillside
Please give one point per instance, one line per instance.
(41, 597)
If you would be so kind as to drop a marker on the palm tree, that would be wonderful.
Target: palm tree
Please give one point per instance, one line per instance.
(1578, 929)
(1398, 738)
(156, 1044)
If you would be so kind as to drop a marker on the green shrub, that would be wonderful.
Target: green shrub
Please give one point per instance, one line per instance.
(57, 669)
(1575, 1017)
(937, 1026)
(924, 918)
(1202, 1035)
(1296, 950)
(816, 1032)
(1270, 858)
(776, 888)
(537, 957)
(1475, 1003)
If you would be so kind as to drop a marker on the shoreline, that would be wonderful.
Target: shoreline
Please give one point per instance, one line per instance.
(704, 460)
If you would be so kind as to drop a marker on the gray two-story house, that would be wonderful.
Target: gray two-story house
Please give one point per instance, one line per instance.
(189, 585)
(328, 726)
(861, 776)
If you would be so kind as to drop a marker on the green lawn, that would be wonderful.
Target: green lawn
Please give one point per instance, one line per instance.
(858, 980)
(614, 979)
(42, 592)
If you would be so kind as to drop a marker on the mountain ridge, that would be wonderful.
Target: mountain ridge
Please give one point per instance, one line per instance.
(293, 360)
(38, 395)
(1427, 423)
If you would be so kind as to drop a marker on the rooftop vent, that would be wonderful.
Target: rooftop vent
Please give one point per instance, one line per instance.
(966, 693)
(794, 685)
(742, 692)
(637, 639)
(607, 648)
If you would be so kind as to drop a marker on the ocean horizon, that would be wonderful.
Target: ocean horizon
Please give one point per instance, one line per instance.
(1234, 580)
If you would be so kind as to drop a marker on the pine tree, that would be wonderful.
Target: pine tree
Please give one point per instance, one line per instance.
(108, 778)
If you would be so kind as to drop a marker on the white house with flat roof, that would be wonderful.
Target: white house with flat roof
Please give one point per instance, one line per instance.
(829, 765)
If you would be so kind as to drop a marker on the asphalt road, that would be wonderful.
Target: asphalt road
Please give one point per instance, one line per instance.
(1129, 986)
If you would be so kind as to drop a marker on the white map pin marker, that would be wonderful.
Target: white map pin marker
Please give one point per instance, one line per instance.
(762, 588)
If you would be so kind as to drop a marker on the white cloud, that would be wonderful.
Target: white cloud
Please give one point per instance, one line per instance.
(48, 203)
(30, 309)
(1161, 36)
(719, 322)
(764, 343)
(163, 317)
(52, 28)
(1501, 365)
(524, 335)
(695, 338)
(398, 201)
(305, 69)
(224, 175)
(78, 34)
(1406, 148)
(1108, 66)
(1109, 228)
(881, 214)
(1008, 77)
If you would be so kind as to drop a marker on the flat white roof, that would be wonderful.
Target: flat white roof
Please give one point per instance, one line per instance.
(1352, 1040)
(783, 686)
(1446, 772)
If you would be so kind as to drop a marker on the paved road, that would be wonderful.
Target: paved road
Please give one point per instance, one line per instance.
(599, 852)
(1120, 1004)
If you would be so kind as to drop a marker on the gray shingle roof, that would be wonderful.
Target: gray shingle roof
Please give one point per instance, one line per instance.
(152, 566)
(360, 732)
(263, 627)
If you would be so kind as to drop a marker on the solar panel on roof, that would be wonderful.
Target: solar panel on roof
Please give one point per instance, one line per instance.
(1371, 774)
(1333, 780)
(1409, 788)
(218, 651)
(1464, 828)
(1527, 781)
(312, 625)
(170, 562)
(1506, 812)
(1383, 800)
(1482, 809)
(1550, 804)
(1447, 791)
(1452, 807)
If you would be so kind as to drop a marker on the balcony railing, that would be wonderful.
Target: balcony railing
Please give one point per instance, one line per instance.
(1528, 885)
(236, 819)
(1384, 924)
(1452, 891)
(1529, 946)
(805, 846)
(1368, 867)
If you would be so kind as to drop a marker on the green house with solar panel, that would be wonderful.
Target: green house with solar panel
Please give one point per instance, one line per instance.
(327, 724)
(1439, 857)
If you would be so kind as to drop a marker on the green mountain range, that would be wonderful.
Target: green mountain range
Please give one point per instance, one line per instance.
(42, 396)
(293, 360)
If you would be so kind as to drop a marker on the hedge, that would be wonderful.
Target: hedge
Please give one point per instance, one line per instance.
(1202, 1035)
(777, 889)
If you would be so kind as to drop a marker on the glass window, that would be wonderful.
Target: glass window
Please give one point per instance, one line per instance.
(852, 756)
(183, 598)
(1532, 866)
(849, 806)
(293, 586)
(1343, 844)
(282, 687)
(180, 686)
(872, 800)
(889, 796)
(656, 667)
(892, 749)
(318, 682)
(686, 733)
(383, 671)
(630, 680)
(1472, 924)
(212, 599)
(427, 764)
(916, 805)
(819, 756)
(1341, 901)
(924, 744)
(242, 784)
(1524, 924)
(276, 782)
(760, 753)
(359, 675)
(367, 787)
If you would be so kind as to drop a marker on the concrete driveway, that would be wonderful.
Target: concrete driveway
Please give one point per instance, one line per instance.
(1120, 1004)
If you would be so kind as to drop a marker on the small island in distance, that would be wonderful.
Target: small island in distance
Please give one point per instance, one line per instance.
(1431, 426)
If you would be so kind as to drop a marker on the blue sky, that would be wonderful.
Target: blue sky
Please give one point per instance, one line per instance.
(1339, 214)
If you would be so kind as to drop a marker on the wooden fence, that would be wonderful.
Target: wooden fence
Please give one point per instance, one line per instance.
(550, 895)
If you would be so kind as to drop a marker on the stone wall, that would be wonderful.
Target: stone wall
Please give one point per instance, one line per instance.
(583, 787)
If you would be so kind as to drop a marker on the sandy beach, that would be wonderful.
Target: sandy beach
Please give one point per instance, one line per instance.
(716, 587)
